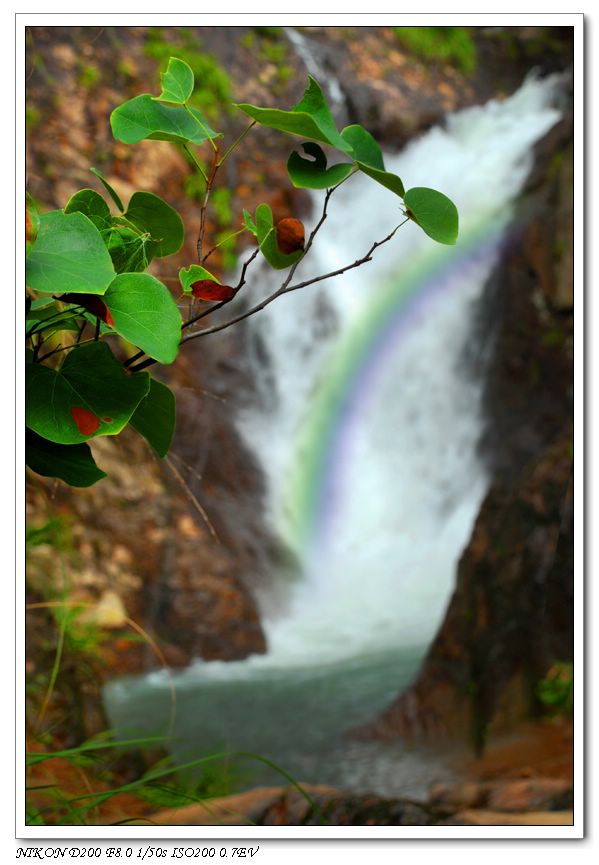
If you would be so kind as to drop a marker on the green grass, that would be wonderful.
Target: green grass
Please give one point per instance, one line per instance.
(164, 785)
(453, 46)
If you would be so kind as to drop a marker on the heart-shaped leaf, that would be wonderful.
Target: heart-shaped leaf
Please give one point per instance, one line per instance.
(69, 255)
(435, 213)
(161, 221)
(267, 240)
(369, 158)
(154, 417)
(89, 395)
(310, 118)
(143, 117)
(130, 252)
(109, 189)
(73, 464)
(145, 314)
(313, 173)
(177, 82)
(193, 273)
(91, 204)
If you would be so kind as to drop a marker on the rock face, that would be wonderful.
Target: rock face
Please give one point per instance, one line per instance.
(511, 614)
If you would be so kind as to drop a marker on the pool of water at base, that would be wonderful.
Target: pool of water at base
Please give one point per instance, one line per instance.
(299, 718)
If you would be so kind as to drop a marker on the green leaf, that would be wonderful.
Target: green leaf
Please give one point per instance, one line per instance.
(249, 222)
(69, 255)
(90, 395)
(435, 213)
(191, 274)
(109, 189)
(369, 158)
(310, 118)
(145, 314)
(177, 82)
(130, 252)
(73, 464)
(154, 417)
(162, 222)
(313, 173)
(143, 117)
(91, 204)
(267, 240)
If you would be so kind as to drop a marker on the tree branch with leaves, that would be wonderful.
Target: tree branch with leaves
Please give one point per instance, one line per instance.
(86, 271)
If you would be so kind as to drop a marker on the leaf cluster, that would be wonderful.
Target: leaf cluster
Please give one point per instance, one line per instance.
(86, 268)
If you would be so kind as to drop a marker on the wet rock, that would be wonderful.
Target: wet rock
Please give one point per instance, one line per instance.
(500, 818)
(278, 806)
(531, 794)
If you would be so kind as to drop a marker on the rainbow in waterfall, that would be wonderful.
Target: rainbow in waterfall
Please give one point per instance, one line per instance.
(318, 478)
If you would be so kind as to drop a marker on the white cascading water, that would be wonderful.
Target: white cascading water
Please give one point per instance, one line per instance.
(402, 483)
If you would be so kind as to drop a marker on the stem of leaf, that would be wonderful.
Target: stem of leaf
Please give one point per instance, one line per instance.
(236, 143)
(224, 240)
(195, 161)
(201, 125)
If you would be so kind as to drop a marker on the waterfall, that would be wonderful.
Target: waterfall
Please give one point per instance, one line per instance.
(367, 435)
(402, 482)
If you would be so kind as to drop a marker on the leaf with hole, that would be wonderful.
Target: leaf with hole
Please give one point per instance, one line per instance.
(143, 117)
(177, 82)
(145, 314)
(154, 417)
(69, 255)
(151, 214)
(89, 395)
(434, 212)
(369, 158)
(310, 118)
(313, 173)
(73, 464)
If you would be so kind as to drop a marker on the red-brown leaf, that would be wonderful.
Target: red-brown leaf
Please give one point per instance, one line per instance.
(290, 235)
(92, 303)
(207, 289)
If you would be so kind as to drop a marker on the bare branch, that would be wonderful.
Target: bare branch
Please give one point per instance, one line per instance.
(286, 288)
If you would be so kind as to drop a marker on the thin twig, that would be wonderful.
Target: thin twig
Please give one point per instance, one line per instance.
(224, 302)
(63, 348)
(224, 240)
(193, 499)
(209, 182)
(286, 289)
